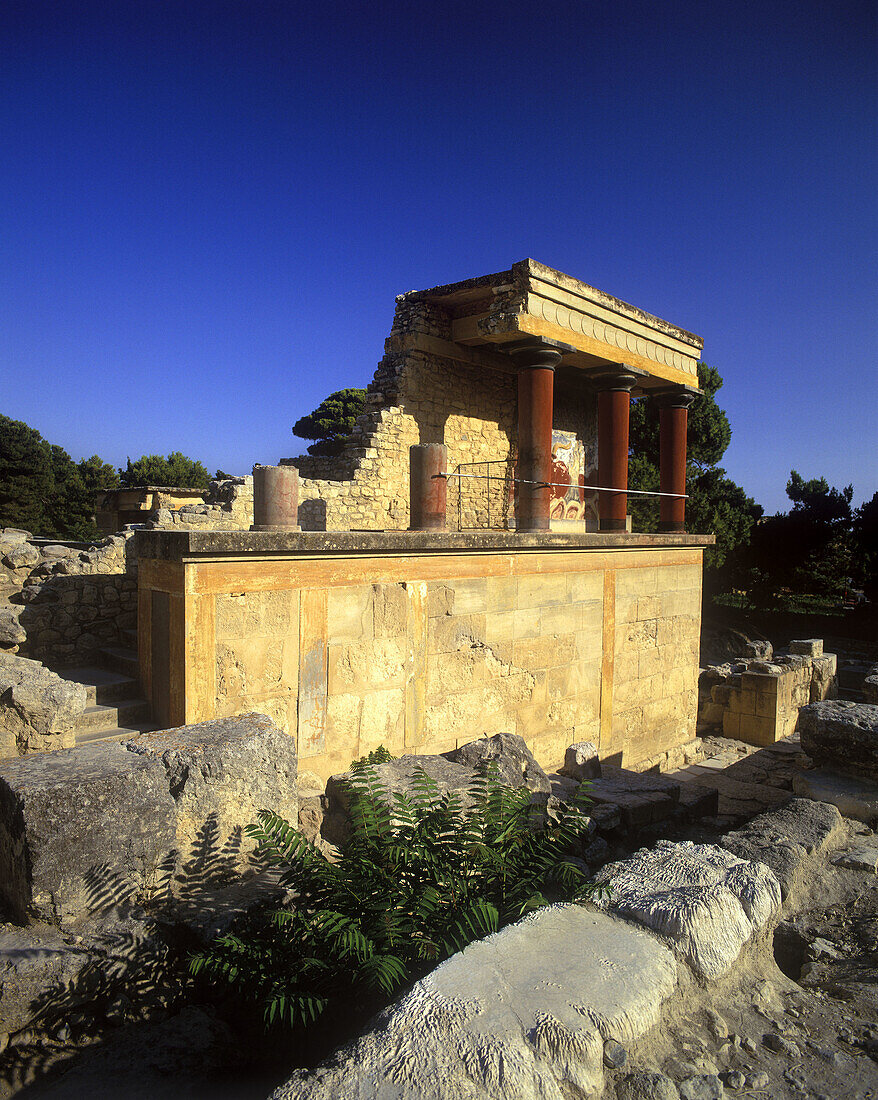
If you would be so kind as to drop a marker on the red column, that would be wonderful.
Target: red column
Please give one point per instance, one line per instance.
(428, 464)
(536, 381)
(614, 403)
(275, 498)
(673, 421)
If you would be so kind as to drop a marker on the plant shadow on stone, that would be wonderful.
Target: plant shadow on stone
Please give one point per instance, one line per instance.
(419, 878)
(125, 962)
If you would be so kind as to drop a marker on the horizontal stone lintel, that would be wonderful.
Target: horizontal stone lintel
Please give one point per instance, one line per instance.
(180, 545)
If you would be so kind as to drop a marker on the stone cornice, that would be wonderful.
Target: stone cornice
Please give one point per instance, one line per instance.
(532, 299)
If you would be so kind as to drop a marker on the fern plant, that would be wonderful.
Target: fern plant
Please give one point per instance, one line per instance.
(421, 876)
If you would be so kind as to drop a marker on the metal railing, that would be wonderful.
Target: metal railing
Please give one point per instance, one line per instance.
(472, 504)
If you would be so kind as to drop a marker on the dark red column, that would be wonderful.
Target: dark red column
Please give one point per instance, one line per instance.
(614, 404)
(673, 422)
(275, 498)
(428, 464)
(536, 382)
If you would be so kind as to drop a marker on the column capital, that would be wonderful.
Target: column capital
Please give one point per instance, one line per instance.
(536, 353)
(680, 397)
(621, 378)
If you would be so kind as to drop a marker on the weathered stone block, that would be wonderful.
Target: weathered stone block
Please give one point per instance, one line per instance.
(785, 838)
(38, 710)
(581, 762)
(807, 647)
(86, 828)
(705, 901)
(841, 734)
(510, 755)
(524, 1013)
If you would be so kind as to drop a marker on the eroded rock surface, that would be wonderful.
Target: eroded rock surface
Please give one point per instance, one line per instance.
(524, 1013)
(787, 839)
(38, 710)
(85, 829)
(705, 901)
(841, 735)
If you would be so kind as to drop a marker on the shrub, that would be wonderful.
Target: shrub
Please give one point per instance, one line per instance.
(416, 881)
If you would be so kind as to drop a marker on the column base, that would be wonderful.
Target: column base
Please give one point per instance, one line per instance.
(275, 527)
(613, 525)
(671, 526)
(539, 524)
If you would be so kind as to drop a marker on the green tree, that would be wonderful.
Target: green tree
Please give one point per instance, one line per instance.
(175, 471)
(807, 549)
(865, 556)
(27, 479)
(716, 505)
(331, 421)
(43, 490)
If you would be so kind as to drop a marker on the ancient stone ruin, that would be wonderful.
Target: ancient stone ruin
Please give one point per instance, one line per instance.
(460, 585)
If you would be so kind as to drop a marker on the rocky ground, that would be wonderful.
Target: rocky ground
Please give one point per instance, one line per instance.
(768, 1035)
(804, 1028)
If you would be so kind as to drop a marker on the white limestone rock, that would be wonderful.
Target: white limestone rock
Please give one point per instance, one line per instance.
(706, 901)
(524, 1013)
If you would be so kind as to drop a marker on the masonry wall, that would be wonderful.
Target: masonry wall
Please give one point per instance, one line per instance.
(421, 396)
(423, 652)
(69, 619)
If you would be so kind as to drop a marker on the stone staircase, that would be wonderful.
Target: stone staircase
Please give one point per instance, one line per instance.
(116, 709)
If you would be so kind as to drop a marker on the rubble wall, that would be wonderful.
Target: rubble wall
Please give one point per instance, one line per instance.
(425, 652)
(419, 395)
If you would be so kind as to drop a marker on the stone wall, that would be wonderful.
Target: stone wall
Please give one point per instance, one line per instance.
(227, 506)
(758, 701)
(428, 651)
(68, 619)
(62, 604)
(421, 396)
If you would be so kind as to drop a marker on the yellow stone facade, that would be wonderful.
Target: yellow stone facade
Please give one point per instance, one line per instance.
(424, 650)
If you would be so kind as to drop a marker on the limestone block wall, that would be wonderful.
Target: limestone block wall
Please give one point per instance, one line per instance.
(423, 652)
(419, 395)
(227, 506)
(758, 701)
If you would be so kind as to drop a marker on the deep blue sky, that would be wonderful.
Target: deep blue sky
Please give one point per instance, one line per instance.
(208, 208)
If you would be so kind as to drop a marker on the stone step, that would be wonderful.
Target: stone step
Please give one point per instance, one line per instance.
(642, 798)
(101, 684)
(113, 733)
(129, 636)
(120, 659)
(125, 712)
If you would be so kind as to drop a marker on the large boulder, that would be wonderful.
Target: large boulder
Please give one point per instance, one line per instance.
(524, 1013)
(38, 710)
(454, 771)
(515, 763)
(703, 900)
(89, 828)
(789, 839)
(841, 735)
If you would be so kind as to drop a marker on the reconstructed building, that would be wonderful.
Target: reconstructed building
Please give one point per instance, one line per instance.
(529, 606)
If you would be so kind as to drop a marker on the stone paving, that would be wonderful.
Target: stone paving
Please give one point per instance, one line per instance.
(749, 779)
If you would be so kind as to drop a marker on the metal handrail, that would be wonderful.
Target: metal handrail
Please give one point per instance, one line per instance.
(566, 485)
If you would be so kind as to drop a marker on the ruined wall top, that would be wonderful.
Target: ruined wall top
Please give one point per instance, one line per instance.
(594, 329)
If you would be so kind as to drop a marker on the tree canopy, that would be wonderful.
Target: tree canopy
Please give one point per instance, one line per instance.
(809, 548)
(176, 470)
(333, 419)
(716, 505)
(42, 489)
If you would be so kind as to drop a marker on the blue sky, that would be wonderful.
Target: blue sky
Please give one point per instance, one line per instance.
(208, 208)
